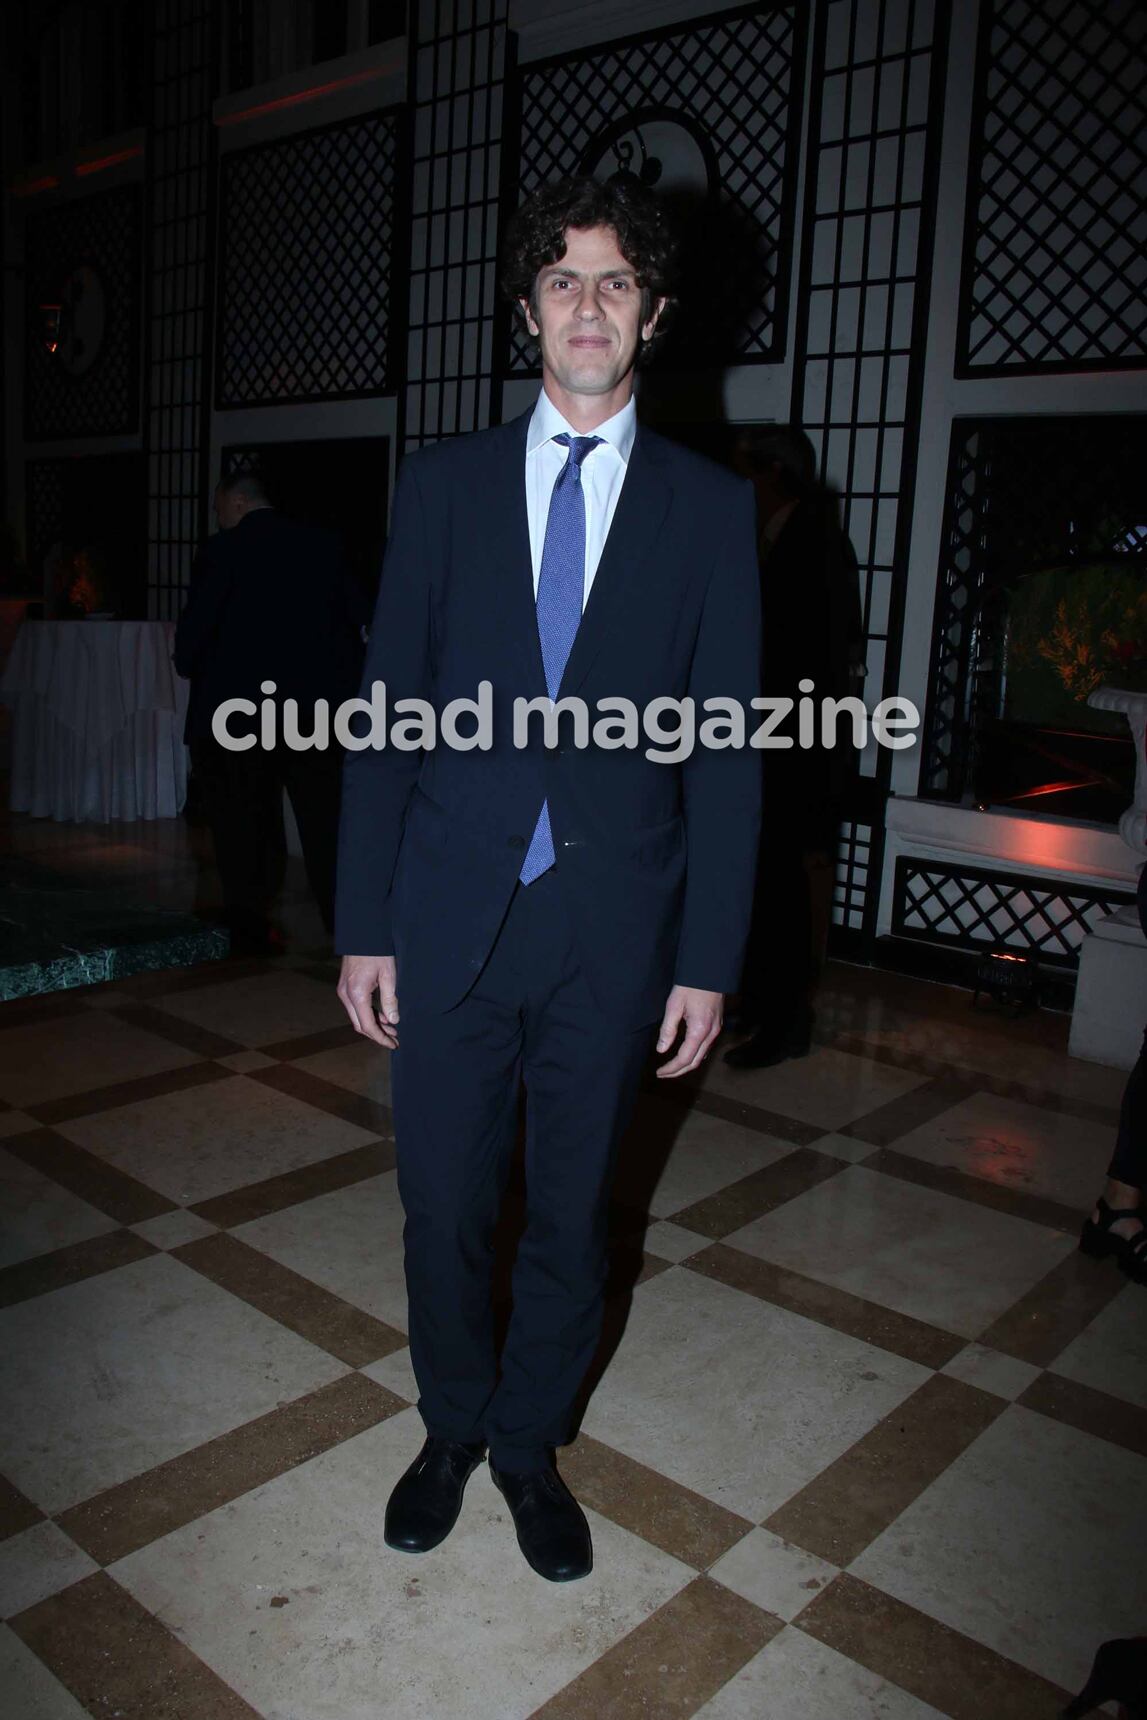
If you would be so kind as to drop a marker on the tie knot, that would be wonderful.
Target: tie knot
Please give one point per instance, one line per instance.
(579, 447)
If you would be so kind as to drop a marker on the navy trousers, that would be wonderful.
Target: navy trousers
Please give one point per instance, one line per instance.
(457, 1077)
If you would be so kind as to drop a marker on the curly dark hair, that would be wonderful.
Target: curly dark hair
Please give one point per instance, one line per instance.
(537, 230)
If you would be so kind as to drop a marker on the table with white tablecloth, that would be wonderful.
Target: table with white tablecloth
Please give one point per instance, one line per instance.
(97, 721)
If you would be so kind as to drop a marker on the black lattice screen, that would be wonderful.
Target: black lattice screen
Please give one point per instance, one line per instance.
(44, 510)
(306, 262)
(1022, 494)
(967, 907)
(457, 58)
(877, 79)
(731, 78)
(91, 248)
(850, 884)
(181, 158)
(1054, 272)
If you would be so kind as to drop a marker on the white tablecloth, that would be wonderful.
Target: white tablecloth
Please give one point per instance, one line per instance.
(97, 720)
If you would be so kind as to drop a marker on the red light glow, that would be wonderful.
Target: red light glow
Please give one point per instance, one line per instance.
(83, 168)
(30, 187)
(312, 93)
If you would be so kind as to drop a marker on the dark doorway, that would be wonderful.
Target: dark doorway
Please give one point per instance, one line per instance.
(340, 484)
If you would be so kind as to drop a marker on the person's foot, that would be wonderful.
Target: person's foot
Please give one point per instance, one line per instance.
(552, 1531)
(770, 1045)
(426, 1501)
(1117, 1227)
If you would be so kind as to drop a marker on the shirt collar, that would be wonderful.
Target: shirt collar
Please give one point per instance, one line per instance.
(547, 422)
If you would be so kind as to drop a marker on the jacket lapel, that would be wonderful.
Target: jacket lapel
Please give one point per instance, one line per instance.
(508, 547)
(641, 509)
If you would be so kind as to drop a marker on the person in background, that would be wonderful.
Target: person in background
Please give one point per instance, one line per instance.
(271, 600)
(810, 627)
(1118, 1224)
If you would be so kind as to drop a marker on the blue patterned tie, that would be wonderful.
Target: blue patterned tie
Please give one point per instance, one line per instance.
(561, 585)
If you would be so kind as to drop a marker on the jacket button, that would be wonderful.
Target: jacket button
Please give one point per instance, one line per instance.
(516, 842)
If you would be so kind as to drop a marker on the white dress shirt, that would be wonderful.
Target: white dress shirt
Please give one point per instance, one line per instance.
(602, 475)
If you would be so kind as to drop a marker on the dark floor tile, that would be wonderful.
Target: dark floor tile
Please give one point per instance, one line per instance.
(1041, 1325)
(885, 1327)
(762, 1191)
(256, 1200)
(84, 1174)
(1017, 1203)
(648, 1504)
(118, 1521)
(327, 1096)
(118, 1093)
(957, 1675)
(318, 1315)
(1089, 1410)
(118, 1660)
(71, 1265)
(855, 1499)
(669, 1666)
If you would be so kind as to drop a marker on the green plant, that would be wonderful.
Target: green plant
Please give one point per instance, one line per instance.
(1070, 630)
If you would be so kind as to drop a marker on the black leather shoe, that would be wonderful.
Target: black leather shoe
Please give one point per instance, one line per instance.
(767, 1047)
(552, 1530)
(426, 1501)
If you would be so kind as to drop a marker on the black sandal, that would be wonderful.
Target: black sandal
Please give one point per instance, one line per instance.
(1098, 1239)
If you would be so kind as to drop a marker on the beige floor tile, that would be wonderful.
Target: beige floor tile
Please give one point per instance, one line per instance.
(47, 1060)
(39, 1562)
(674, 1156)
(362, 1632)
(845, 1147)
(209, 1140)
(1018, 1146)
(906, 1016)
(738, 1399)
(830, 1088)
(795, 1678)
(242, 1062)
(672, 1241)
(1031, 1543)
(37, 1215)
(106, 1378)
(930, 1255)
(772, 1573)
(395, 1373)
(363, 1067)
(349, 1241)
(15, 1122)
(1111, 1354)
(1005, 1376)
(260, 1009)
(30, 1688)
(173, 1229)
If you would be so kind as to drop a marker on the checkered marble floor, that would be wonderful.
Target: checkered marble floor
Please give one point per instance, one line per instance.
(868, 1436)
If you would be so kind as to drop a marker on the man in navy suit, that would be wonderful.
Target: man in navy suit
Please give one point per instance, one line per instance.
(545, 914)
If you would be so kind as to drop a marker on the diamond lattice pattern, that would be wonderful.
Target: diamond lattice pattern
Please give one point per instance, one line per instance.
(307, 243)
(1057, 275)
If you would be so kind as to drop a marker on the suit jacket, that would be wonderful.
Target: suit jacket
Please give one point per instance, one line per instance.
(271, 599)
(656, 860)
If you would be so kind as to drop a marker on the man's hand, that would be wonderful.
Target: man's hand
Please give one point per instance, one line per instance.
(702, 1013)
(360, 978)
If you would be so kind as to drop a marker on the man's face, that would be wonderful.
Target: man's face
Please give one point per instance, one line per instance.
(586, 315)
